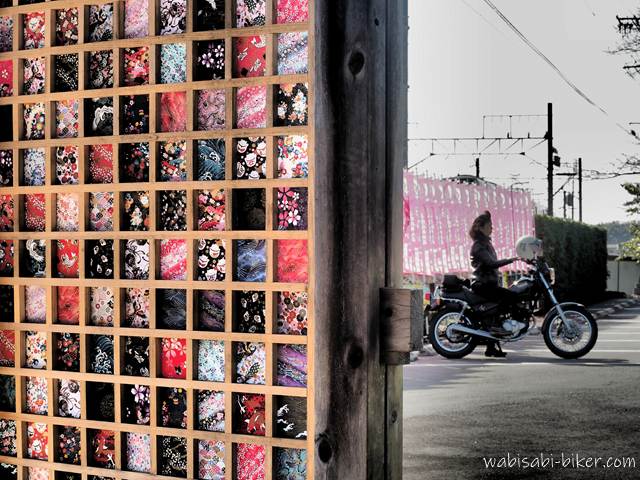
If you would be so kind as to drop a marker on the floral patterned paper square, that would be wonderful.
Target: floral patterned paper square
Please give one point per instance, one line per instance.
(68, 445)
(101, 22)
(34, 28)
(101, 69)
(251, 260)
(250, 363)
(136, 404)
(67, 160)
(172, 210)
(174, 358)
(33, 167)
(35, 304)
(174, 462)
(37, 400)
(210, 410)
(210, 57)
(292, 313)
(34, 261)
(6, 213)
(290, 463)
(171, 307)
(209, 15)
(67, 26)
(34, 212)
(138, 452)
(211, 210)
(136, 66)
(173, 63)
(66, 72)
(292, 208)
(101, 306)
(211, 360)
(249, 414)
(211, 110)
(6, 34)
(136, 18)
(292, 261)
(136, 356)
(249, 211)
(100, 354)
(67, 352)
(35, 350)
(251, 13)
(293, 54)
(37, 473)
(6, 78)
(101, 211)
(100, 404)
(292, 105)
(173, 407)
(292, 11)
(292, 365)
(211, 260)
(250, 311)
(135, 211)
(100, 259)
(37, 440)
(137, 307)
(34, 121)
(68, 305)
(210, 159)
(101, 447)
(10, 472)
(136, 260)
(6, 303)
(250, 461)
(8, 438)
(211, 460)
(173, 259)
(98, 113)
(33, 75)
(7, 348)
(7, 252)
(250, 56)
(173, 111)
(250, 158)
(67, 118)
(134, 117)
(211, 310)
(134, 162)
(101, 163)
(69, 398)
(251, 107)
(6, 168)
(68, 258)
(173, 17)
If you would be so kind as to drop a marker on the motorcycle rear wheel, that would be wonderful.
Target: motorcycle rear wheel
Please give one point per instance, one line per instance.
(444, 345)
(565, 346)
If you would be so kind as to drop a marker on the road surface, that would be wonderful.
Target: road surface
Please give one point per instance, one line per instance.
(530, 404)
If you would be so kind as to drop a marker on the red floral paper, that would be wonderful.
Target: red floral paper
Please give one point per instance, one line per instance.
(68, 304)
(37, 440)
(67, 26)
(68, 253)
(136, 66)
(250, 55)
(34, 212)
(293, 260)
(7, 348)
(101, 163)
(37, 400)
(6, 213)
(250, 461)
(173, 259)
(6, 78)
(251, 107)
(34, 23)
(293, 11)
(211, 210)
(174, 358)
(173, 112)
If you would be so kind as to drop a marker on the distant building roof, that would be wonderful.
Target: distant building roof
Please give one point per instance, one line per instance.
(470, 179)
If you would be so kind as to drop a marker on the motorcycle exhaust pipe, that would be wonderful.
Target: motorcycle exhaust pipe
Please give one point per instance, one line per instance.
(478, 333)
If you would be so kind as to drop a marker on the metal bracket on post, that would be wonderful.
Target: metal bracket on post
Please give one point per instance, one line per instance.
(401, 324)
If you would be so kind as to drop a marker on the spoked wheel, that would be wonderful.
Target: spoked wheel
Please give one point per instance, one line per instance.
(575, 341)
(454, 345)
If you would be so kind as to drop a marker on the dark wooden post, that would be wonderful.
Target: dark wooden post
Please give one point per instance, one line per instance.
(360, 149)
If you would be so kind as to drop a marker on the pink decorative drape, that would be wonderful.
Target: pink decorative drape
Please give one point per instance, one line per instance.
(437, 217)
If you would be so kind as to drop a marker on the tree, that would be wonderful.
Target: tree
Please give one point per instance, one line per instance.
(631, 249)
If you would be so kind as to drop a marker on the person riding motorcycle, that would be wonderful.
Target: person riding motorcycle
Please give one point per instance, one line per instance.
(486, 276)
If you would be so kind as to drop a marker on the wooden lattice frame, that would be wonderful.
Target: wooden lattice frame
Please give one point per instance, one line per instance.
(50, 235)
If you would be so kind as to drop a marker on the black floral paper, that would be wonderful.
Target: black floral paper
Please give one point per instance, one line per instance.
(100, 401)
(134, 162)
(98, 114)
(100, 259)
(173, 461)
(134, 118)
(135, 211)
(136, 356)
(101, 354)
(249, 209)
(172, 210)
(250, 311)
(171, 308)
(173, 407)
(66, 72)
(209, 15)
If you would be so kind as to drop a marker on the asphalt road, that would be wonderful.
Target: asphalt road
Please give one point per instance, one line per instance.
(458, 411)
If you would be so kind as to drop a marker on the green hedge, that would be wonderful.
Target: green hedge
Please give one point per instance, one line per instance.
(578, 253)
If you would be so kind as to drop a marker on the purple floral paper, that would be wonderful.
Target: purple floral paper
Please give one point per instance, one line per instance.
(211, 110)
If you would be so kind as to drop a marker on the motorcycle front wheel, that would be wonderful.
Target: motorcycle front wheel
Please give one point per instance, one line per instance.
(457, 346)
(570, 344)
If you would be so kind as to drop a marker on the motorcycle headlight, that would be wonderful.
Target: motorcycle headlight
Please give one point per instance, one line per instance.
(552, 276)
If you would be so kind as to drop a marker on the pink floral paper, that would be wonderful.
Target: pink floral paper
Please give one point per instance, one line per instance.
(292, 11)
(35, 304)
(173, 259)
(6, 78)
(251, 107)
(211, 110)
(138, 454)
(67, 118)
(37, 473)
(33, 75)
(37, 400)
(250, 461)
(101, 306)
(67, 212)
(293, 261)
(211, 460)
(136, 18)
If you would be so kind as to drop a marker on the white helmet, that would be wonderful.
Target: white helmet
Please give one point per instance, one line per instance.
(529, 247)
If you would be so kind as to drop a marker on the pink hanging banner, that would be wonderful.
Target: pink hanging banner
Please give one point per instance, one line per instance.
(439, 213)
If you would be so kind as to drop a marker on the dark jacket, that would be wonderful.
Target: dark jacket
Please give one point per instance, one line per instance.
(485, 262)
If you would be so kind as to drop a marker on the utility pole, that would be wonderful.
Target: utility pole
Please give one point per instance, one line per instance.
(580, 189)
(564, 204)
(478, 167)
(549, 159)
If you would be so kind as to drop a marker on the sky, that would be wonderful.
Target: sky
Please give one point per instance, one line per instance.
(465, 62)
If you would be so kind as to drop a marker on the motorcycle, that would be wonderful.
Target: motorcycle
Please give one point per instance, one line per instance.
(462, 319)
